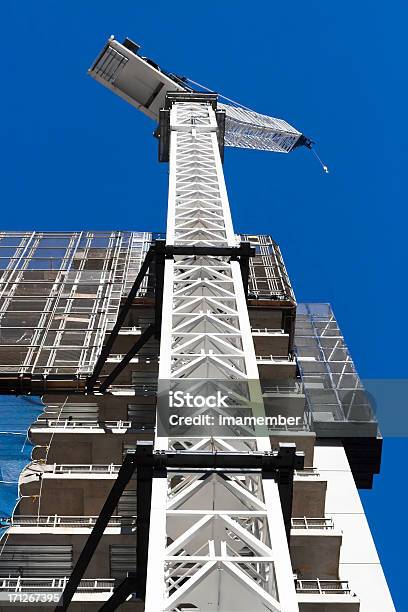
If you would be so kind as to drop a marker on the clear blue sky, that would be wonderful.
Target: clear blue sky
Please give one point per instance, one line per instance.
(74, 156)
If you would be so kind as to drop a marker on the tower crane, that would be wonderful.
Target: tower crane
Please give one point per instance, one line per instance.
(218, 527)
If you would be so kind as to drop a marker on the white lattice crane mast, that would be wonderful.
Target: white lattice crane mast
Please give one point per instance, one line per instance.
(217, 540)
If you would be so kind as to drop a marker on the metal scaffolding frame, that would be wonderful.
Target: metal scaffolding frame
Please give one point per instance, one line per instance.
(333, 388)
(59, 295)
(268, 278)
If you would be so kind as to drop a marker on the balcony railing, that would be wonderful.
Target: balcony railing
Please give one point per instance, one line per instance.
(312, 523)
(55, 520)
(54, 585)
(291, 386)
(267, 330)
(323, 587)
(146, 390)
(67, 468)
(135, 330)
(145, 358)
(308, 472)
(287, 359)
(71, 424)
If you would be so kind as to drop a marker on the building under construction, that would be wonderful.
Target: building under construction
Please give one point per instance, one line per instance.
(252, 505)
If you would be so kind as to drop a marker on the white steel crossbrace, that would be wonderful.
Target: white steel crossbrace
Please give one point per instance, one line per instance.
(216, 542)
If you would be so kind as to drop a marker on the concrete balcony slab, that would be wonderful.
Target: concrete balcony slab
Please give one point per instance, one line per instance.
(315, 552)
(309, 494)
(270, 341)
(328, 603)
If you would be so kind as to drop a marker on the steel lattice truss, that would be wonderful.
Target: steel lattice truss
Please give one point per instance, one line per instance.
(226, 543)
(247, 129)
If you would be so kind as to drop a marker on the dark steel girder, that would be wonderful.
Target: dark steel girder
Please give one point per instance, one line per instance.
(131, 462)
(144, 337)
(121, 593)
(121, 319)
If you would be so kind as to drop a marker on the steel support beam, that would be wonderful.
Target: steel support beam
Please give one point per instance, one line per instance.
(144, 337)
(283, 476)
(268, 462)
(160, 249)
(246, 251)
(130, 462)
(143, 505)
(235, 252)
(121, 593)
(121, 319)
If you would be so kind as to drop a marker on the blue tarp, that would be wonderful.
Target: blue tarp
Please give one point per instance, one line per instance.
(16, 416)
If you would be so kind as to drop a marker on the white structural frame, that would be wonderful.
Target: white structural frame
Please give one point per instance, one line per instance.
(218, 543)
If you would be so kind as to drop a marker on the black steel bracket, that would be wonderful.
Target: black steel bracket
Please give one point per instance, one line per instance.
(283, 476)
(241, 253)
(132, 461)
(123, 311)
(160, 251)
(121, 593)
(144, 337)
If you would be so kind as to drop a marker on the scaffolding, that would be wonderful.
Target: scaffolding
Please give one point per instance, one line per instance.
(60, 293)
(268, 278)
(336, 397)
